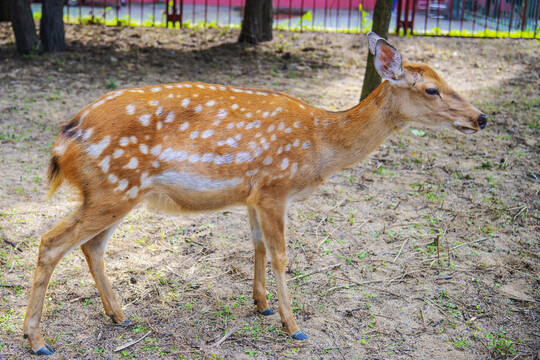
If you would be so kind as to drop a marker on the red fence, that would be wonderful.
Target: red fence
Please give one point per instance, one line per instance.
(481, 18)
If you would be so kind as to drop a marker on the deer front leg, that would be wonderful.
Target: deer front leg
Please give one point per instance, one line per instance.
(259, 281)
(94, 251)
(272, 221)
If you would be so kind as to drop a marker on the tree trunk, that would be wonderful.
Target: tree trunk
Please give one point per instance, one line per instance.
(257, 22)
(381, 22)
(52, 26)
(23, 25)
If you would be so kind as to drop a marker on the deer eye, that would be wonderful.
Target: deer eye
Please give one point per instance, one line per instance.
(432, 91)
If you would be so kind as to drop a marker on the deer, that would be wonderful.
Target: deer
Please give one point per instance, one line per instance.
(195, 147)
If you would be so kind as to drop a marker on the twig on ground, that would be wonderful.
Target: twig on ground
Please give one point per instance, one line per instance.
(401, 249)
(313, 272)
(16, 246)
(226, 336)
(131, 342)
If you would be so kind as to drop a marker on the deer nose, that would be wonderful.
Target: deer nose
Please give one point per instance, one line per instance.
(482, 121)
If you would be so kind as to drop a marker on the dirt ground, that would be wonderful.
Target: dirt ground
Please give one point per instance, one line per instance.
(366, 276)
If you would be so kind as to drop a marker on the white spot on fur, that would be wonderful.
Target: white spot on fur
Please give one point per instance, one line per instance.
(132, 193)
(296, 124)
(284, 164)
(159, 125)
(87, 133)
(145, 119)
(156, 89)
(281, 126)
(134, 139)
(271, 128)
(156, 150)
(273, 137)
(194, 158)
(296, 142)
(169, 155)
(231, 142)
(234, 106)
(287, 130)
(230, 126)
(257, 152)
(280, 150)
(194, 134)
(153, 102)
(222, 113)
(60, 149)
(122, 185)
(113, 179)
(207, 157)
(265, 114)
(155, 164)
(144, 148)
(211, 103)
(104, 164)
(252, 144)
(240, 124)
(294, 167)
(117, 153)
(132, 164)
(159, 111)
(198, 108)
(267, 160)
(145, 181)
(95, 150)
(96, 104)
(223, 159)
(288, 147)
(212, 87)
(184, 126)
(238, 136)
(200, 86)
(124, 141)
(243, 156)
(185, 102)
(130, 109)
(207, 133)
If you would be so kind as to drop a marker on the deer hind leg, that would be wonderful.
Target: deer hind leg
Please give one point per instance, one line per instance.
(259, 286)
(73, 231)
(272, 221)
(94, 251)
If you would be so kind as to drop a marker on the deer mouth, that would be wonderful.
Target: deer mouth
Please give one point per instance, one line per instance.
(464, 129)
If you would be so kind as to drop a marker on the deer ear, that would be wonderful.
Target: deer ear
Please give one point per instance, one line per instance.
(372, 39)
(388, 62)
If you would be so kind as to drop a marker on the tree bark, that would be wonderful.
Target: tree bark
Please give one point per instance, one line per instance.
(381, 23)
(23, 25)
(52, 26)
(257, 22)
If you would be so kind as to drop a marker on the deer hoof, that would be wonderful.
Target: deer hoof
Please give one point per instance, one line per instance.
(267, 312)
(299, 335)
(124, 323)
(46, 350)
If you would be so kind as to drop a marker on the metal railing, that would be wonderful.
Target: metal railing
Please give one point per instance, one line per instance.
(479, 18)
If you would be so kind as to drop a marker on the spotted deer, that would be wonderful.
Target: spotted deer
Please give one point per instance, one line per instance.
(197, 147)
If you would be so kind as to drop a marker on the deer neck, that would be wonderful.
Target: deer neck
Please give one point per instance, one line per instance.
(353, 134)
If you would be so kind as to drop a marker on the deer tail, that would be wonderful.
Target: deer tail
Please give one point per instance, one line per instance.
(56, 176)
